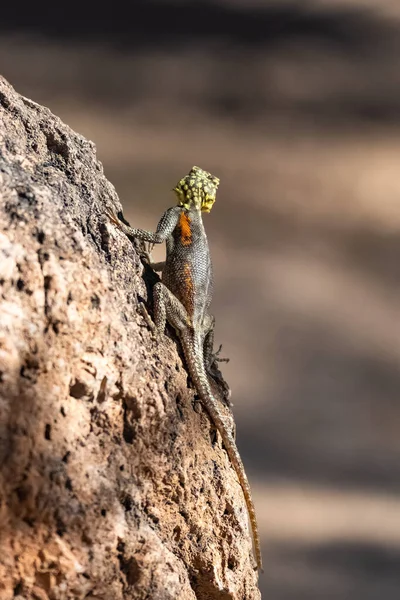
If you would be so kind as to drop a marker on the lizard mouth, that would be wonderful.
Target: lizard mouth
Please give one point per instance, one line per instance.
(207, 205)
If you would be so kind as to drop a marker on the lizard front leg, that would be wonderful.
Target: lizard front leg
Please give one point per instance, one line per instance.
(165, 227)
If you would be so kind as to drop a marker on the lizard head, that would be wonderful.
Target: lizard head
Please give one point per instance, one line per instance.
(197, 190)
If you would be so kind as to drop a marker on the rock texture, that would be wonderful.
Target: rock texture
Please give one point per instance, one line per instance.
(113, 482)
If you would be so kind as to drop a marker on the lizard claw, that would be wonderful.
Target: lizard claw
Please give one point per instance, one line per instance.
(146, 255)
(112, 217)
(216, 356)
(151, 325)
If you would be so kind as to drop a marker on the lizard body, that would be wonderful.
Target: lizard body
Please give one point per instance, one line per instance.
(183, 299)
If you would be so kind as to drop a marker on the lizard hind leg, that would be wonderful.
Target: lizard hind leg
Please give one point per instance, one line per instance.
(211, 360)
(210, 356)
(167, 307)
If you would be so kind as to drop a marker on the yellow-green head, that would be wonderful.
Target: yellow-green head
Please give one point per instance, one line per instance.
(197, 190)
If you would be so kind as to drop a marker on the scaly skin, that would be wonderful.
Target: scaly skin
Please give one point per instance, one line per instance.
(183, 299)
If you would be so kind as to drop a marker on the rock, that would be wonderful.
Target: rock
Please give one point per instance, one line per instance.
(112, 486)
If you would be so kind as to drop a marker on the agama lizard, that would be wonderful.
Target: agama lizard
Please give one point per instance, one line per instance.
(183, 299)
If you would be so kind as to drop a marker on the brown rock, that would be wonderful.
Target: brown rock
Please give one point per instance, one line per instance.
(111, 485)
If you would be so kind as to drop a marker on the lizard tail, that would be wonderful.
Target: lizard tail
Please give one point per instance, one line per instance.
(193, 351)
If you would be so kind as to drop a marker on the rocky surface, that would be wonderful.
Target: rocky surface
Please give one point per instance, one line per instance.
(113, 482)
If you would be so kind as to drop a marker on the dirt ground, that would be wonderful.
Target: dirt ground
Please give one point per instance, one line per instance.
(296, 107)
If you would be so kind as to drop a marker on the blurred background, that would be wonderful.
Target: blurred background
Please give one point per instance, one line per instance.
(295, 105)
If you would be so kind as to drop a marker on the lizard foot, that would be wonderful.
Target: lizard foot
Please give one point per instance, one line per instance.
(146, 256)
(216, 356)
(215, 373)
(151, 325)
(113, 217)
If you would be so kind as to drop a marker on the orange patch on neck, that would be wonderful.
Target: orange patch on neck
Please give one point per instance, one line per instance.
(186, 232)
